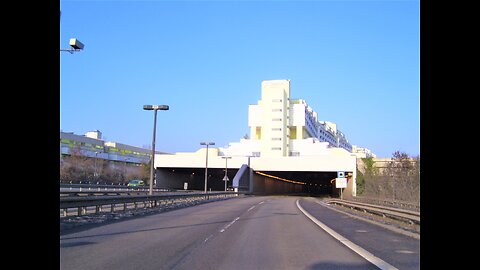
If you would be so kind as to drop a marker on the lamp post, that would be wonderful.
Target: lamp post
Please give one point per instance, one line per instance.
(155, 108)
(250, 174)
(95, 172)
(206, 161)
(226, 176)
(125, 169)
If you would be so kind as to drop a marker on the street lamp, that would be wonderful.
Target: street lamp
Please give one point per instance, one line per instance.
(226, 176)
(206, 162)
(95, 172)
(75, 45)
(125, 169)
(250, 174)
(155, 108)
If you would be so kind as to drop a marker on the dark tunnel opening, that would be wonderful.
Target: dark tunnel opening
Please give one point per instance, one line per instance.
(195, 178)
(316, 183)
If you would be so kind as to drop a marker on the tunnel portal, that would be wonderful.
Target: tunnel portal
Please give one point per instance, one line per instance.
(314, 183)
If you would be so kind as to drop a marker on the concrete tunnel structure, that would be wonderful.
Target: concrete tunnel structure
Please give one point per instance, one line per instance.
(290, 149)
(258, 175)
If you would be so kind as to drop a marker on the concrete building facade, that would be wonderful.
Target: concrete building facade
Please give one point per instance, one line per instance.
(286, 140)
(280, 126)
(92, 145)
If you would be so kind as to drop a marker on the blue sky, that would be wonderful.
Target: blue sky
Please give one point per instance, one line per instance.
(356, 63)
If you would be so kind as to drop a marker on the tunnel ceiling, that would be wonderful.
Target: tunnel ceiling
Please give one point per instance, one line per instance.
(307, 177)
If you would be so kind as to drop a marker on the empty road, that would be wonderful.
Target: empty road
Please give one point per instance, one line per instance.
(255, 232)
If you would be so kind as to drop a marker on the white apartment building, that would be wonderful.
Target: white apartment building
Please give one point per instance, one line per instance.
(280, 126)
(286, 140)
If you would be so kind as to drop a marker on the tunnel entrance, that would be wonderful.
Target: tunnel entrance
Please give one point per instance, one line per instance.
(316, 183)
(195, 178)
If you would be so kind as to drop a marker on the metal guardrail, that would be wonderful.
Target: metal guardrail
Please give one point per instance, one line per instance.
(412, 217)
(386, 202)
(83, 187)
(112, 192)
(81, 203)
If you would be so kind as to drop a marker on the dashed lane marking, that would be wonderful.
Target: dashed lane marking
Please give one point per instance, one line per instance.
(229, 224)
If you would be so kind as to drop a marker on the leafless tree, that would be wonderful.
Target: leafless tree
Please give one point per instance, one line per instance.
(77, 166)
(399, 180)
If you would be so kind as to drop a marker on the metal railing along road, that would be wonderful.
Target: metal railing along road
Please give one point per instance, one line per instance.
(413, 217)
(387, 202)
(82, 203)
(81, 187)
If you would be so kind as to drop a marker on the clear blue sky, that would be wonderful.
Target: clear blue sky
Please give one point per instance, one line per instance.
(356, 63)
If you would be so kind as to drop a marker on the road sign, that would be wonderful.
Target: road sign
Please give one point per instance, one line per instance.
(185, 185)
(340, 174)
(340, 182)
(225, 178)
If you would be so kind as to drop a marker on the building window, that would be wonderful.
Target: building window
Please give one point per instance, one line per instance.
(276, 129)
(276, 100)
(276, 139)
(276, 119)
(276, 148)
(276, 110)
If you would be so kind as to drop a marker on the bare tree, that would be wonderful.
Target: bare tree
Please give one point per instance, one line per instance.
(76, 167)
(404, 173)
(399, 180)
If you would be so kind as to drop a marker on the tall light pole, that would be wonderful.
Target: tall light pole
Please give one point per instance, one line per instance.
(206, 162)
(226, 168)
(155, 108)
(95, 172)
(125, 169)
(250, 174)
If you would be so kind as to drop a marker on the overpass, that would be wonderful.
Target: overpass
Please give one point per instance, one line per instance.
(258, 175)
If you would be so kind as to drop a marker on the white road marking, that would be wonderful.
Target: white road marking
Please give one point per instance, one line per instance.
(251, 208)
(229, 224)
(359, 250)
(261, 202)
(404, 251)
(208, 238)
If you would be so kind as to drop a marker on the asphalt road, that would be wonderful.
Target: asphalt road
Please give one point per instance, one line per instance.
(245, 233)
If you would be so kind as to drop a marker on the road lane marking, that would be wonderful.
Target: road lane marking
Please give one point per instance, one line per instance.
(229, 224)
(404, 251)
(208, 238)
(251, 208)
(359, 250)
(261, 202)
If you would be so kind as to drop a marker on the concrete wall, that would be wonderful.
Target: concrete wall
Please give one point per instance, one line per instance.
(334, 160)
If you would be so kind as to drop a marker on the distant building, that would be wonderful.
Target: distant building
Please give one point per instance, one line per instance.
(281, 126)
(92, 145)
(287, 141)
(361, 152)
